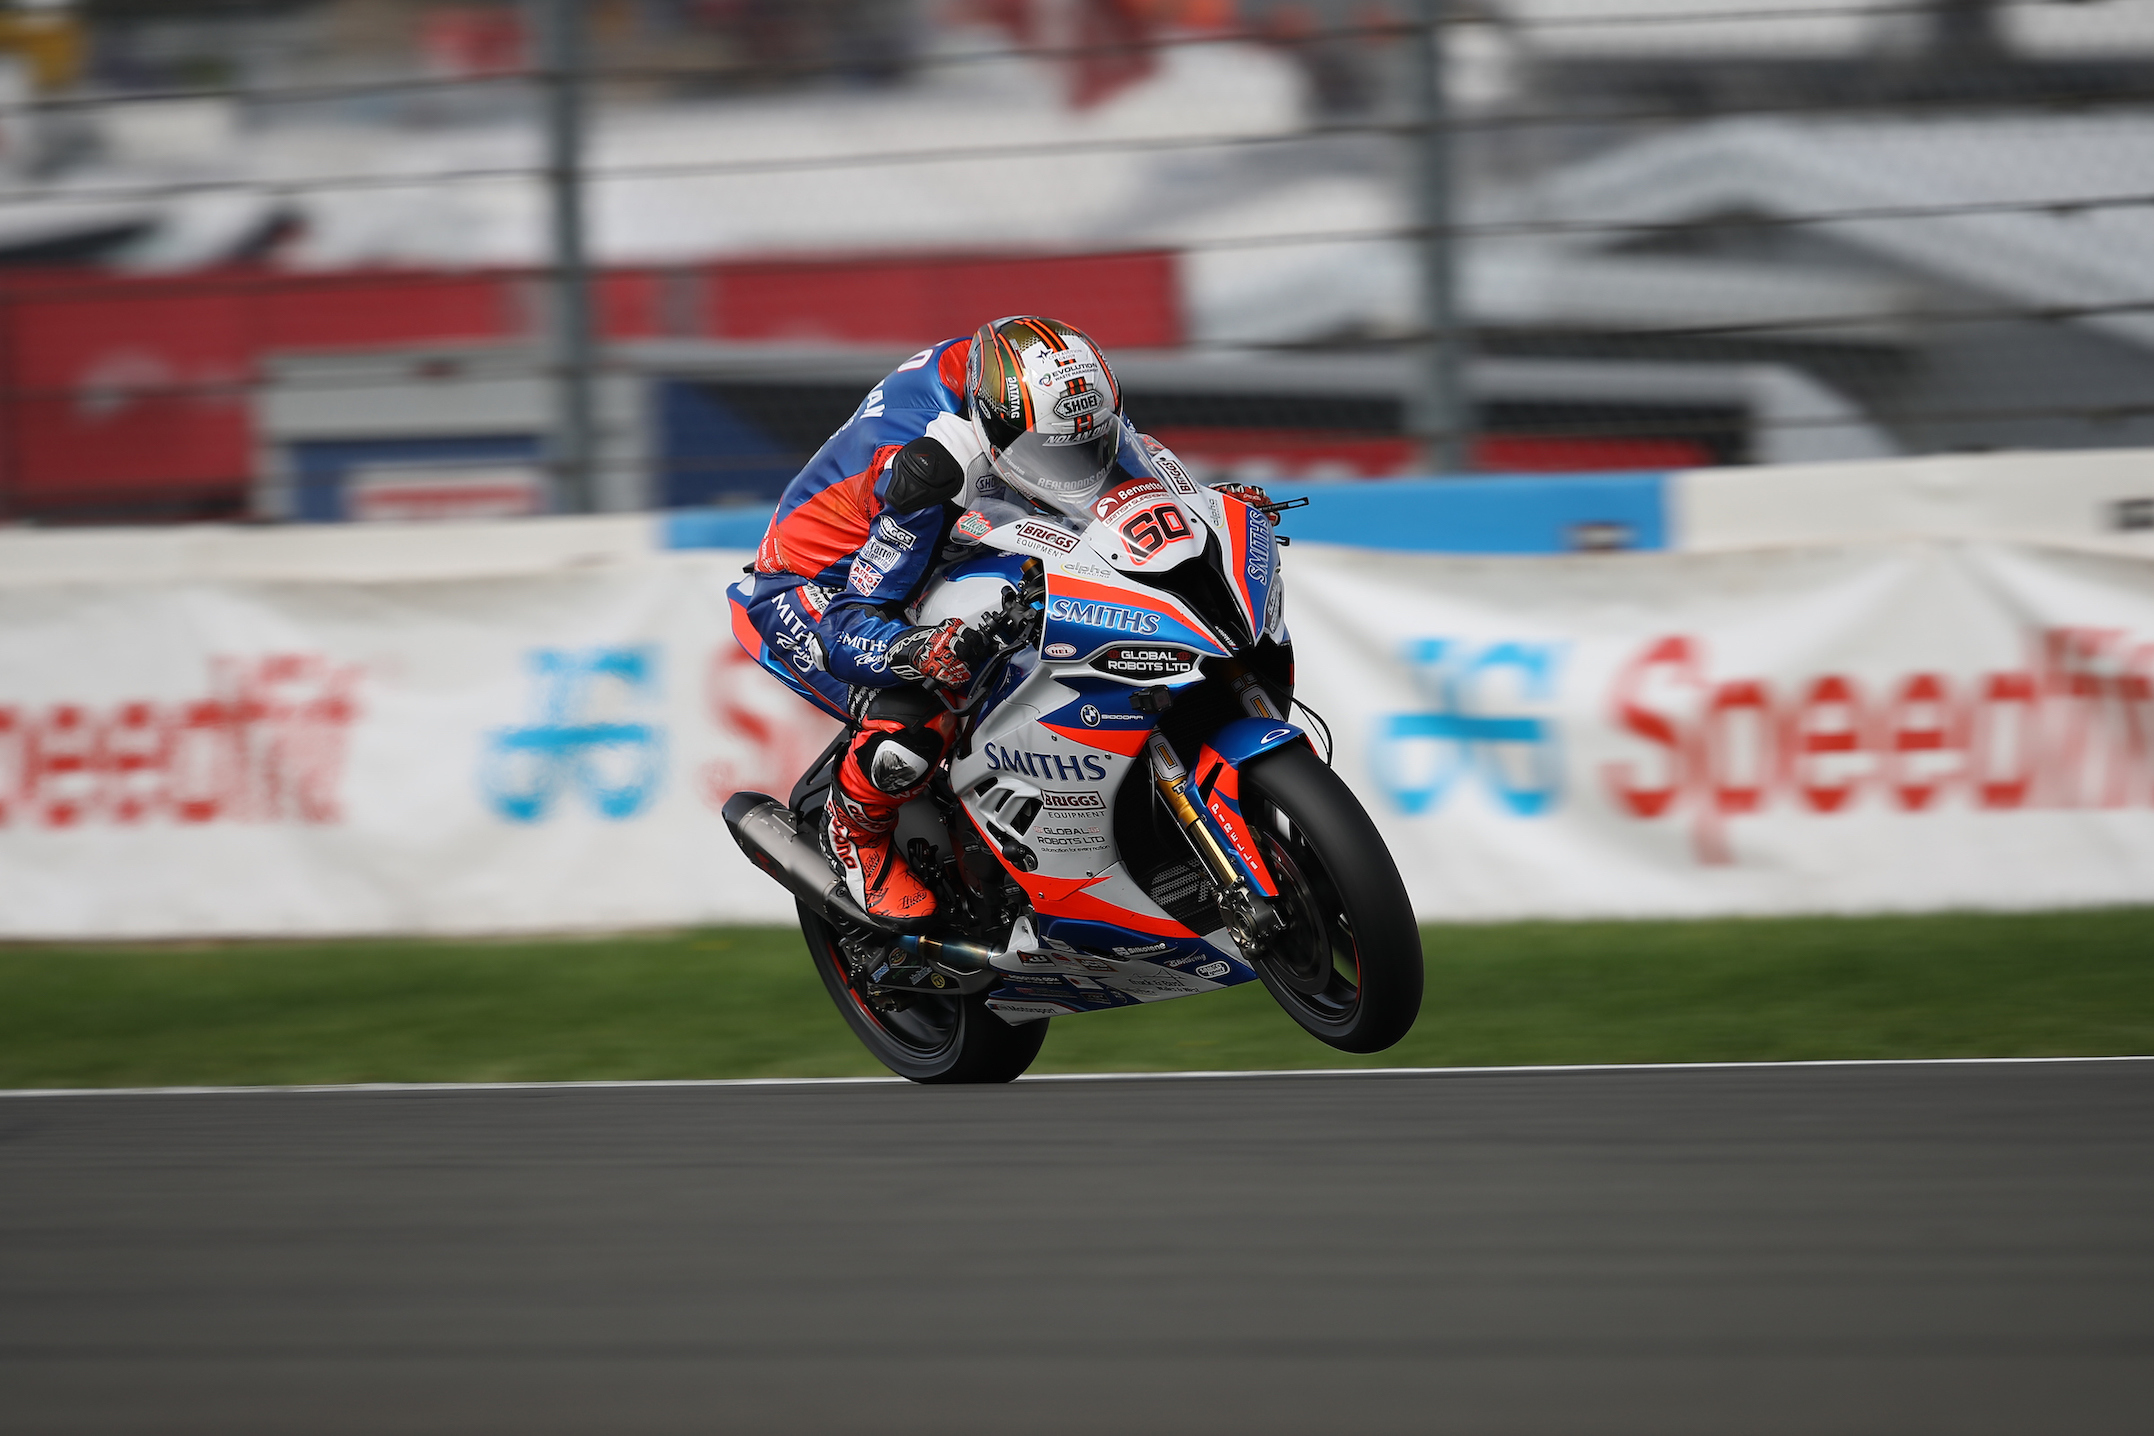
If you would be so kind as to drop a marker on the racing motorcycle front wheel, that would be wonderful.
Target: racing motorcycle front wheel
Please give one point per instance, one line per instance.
(1348, 965)
(921, 1037)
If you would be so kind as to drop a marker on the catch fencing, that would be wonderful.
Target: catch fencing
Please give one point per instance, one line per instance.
(532, 725)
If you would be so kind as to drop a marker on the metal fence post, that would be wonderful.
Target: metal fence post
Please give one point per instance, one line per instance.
(560, 30)
(1439, 414)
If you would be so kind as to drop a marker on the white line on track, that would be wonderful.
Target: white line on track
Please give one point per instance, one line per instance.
(661, 1084)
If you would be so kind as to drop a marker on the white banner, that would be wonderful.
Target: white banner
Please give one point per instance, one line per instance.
(496, 754)
(1915, 726)
(1857, 729)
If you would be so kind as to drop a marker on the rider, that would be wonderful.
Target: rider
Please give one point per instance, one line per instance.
(1026, 403)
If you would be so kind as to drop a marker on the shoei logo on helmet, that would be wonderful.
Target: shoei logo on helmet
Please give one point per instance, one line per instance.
(1070, 406)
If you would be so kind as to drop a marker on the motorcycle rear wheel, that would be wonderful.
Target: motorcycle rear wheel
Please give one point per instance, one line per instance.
(933, 1038)
(1348, 966)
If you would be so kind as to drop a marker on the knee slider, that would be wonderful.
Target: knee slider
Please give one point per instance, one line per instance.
(899, 762)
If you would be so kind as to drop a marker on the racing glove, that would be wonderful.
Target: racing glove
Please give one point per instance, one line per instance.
(945, 652)
(1249, 494)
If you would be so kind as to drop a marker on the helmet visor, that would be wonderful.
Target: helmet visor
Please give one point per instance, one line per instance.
(1067, 469)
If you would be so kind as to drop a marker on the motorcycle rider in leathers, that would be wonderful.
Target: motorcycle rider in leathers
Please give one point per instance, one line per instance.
(1025, 409)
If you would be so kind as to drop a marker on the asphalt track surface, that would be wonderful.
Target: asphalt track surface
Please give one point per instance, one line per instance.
(1889, 1249)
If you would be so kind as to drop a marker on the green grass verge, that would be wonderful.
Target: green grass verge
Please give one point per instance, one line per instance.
(743, 1002)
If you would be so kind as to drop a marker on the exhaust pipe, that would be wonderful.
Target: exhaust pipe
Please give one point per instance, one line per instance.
(769, 833)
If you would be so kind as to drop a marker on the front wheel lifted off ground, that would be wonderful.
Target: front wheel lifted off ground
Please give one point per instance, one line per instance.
(1348, 966)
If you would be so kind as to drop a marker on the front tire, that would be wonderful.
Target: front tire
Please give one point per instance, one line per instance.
(1348, 966)
(933, 1039)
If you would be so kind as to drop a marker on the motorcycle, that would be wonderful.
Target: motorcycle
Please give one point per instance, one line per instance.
(1127, 816)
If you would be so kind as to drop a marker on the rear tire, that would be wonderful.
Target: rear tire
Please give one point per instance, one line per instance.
(1348, 967)
(934, 1039)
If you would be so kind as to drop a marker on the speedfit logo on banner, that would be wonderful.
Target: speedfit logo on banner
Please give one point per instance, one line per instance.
(1488, 721)
(589, 737)
(2072, 728)
(265, 744)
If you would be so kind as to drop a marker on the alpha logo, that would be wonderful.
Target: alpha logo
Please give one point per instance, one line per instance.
(1103, 615)
(1214, 969)
(1061, 650)
(1071, 802)
(582, 739)
(1479, 724)
(1069, 406)
(1072, 769)
(1089, 715)
(1047, 536)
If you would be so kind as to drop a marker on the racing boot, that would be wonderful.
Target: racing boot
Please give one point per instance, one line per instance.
(859, 842)
(903, 735)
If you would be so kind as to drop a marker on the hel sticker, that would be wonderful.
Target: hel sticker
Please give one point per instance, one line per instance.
(1061, 650)
(1214, 969)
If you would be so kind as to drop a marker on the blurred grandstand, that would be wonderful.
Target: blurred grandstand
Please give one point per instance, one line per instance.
(289, 258)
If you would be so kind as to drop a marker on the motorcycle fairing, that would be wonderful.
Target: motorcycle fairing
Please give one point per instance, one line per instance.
(1100, 715)
(970, 587)
(1252, 554)
(1089, 614)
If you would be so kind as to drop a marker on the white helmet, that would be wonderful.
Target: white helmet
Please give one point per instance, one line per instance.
(1046, 406)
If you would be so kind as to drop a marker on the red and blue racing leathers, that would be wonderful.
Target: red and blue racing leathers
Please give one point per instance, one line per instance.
(844, 553)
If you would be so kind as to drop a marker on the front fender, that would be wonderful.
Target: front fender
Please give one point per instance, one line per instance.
(1217, 776)
(1244, 738)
